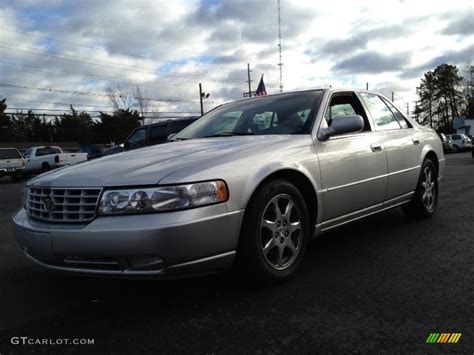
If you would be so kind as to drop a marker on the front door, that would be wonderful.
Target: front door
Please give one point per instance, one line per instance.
(353, 167)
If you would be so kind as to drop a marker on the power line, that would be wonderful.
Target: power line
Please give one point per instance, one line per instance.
(87, 93)
(102, 48)
(55, 103)
(38, 70)
(102, 63)
(61, 110)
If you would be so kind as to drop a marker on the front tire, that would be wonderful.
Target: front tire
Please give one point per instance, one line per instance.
(275, 233)
(425, 200)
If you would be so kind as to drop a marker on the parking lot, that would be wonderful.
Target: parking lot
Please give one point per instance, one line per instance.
(381, 284)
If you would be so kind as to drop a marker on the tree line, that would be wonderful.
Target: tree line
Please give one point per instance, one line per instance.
(443, 94)
(72, 126)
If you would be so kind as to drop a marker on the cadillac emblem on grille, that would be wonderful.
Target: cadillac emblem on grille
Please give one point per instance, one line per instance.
(48, 203)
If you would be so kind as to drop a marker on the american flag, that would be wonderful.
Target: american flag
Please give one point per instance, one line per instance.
(261, 91)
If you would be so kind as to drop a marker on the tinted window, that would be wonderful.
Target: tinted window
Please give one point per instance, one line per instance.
(254, 116)
(158, 133)
(456, 137)
(47, 151)
(9, 154)
(28, 153)
(137, 137)
(381, 114)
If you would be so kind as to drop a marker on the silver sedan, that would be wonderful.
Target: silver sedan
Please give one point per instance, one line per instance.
(248, 185)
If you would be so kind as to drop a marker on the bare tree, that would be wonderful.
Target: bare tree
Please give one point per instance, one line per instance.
(122, 98)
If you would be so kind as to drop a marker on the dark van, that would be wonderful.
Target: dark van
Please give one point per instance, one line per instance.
(156, 133)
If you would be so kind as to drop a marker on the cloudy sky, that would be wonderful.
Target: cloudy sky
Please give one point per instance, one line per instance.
(54, 53)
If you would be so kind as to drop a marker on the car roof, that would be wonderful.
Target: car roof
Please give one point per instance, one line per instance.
(329, 89)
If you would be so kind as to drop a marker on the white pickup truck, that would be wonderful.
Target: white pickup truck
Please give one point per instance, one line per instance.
(11, 163)
(50, 157)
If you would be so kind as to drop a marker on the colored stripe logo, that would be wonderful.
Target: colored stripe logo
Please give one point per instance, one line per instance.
(441, 338)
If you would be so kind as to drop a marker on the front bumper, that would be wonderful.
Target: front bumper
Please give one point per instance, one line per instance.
(181, 243)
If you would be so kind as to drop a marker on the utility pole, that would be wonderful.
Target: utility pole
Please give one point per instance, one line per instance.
(367, 86)
(249, 81)
(408, 108)
(392, 96)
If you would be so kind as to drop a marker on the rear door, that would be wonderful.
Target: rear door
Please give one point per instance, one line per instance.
(402, 145)
(353, 167)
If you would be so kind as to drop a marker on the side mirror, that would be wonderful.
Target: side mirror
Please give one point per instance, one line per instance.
(342, 125)
(170, 136)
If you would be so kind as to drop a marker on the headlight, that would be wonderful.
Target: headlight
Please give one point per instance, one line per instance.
(164, 198)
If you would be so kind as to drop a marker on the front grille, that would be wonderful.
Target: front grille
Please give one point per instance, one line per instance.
(62, 205)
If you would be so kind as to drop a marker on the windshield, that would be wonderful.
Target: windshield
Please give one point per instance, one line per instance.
(281, 114)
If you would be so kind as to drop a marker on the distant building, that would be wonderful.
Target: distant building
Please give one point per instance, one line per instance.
(464, 125)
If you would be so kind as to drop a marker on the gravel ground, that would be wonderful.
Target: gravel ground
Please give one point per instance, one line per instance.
(380, 285)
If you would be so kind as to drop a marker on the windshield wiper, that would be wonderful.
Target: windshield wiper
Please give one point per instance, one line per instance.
(230, 134)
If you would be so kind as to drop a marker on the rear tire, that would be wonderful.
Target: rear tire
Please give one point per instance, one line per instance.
(45, 167)
(425, 200)
(275, 233)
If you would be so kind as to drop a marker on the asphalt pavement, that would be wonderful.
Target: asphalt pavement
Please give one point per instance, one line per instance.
(380, 285)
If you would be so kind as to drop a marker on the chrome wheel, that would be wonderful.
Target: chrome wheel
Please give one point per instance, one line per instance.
(280, 232)
(429, 190)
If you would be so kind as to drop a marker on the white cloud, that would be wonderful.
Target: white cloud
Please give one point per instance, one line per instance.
(386, 43)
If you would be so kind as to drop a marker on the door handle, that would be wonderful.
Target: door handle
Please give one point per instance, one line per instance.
(415, 141)
(376, 147)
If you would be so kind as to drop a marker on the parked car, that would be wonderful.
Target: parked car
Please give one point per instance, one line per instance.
(447, 143)
(247, 185)
(460, 141)
(152, 134)
(45, 158)
(11, 163)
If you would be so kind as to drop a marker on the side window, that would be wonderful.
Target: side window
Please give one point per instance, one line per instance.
(404, 123)
(381, 114)
(345, 104)
(137, 137)
(28, 153)
(159, 133)
(339, 110)
(41, 152)
(54, 150)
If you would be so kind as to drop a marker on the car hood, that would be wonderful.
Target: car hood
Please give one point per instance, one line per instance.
(151, 164)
